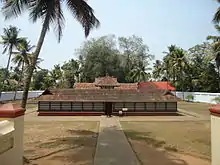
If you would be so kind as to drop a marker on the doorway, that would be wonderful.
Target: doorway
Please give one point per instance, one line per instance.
(108, 108)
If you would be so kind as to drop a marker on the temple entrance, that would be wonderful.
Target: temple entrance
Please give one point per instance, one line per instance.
(108, 108)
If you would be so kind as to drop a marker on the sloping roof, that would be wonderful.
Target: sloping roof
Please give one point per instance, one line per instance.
(159, 85)
(85, 86)
(127, 86)
(114, 95)
(106, 81)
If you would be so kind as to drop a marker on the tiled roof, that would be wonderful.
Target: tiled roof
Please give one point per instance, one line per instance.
(85, 86)
(159, 85)
(127, 86)
(112, 95)
(106, 81)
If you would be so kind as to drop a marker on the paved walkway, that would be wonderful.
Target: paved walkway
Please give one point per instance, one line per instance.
(112, 146)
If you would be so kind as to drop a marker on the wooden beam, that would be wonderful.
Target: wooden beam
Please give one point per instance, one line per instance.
(165, 106)
(61, 105)
(92, 106)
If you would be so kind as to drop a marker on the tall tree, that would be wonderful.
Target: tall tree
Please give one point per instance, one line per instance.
(216, 18)
(52, 13)
(168, 69)
(71, 73)
(216, 51)
(23, 55)
(135, 50)
(158, 70)
(10, 41)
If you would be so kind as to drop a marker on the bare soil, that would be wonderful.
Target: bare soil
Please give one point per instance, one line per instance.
(60, 143)
(199, 108)
(148, 154)
(173, 143)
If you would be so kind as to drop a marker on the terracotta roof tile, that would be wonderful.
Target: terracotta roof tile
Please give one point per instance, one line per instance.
(106, 81)
(114, 95)
(159, 85)
(85, 86)
(127, 86)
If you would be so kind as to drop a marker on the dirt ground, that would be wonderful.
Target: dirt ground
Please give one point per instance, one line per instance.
(200, 108)
(60, 143)
(173, 143)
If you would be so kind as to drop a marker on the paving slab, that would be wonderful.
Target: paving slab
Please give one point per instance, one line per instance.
(113, 147)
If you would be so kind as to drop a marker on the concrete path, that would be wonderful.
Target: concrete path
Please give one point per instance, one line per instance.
(112, 146)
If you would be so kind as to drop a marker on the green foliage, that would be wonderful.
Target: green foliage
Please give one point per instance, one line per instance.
(190, 97)
(191, 70)
(126, 58)
(216, 100)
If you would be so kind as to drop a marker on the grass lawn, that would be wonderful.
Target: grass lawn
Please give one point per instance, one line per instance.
(55, 143)
(200, 108)
(190, 138)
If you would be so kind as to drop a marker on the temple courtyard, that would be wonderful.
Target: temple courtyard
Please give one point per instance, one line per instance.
(128, 140)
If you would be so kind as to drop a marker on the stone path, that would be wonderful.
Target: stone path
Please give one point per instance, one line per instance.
(112, 146)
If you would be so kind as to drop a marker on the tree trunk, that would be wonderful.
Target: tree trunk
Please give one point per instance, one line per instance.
(16, 89)
(218, 79)
(31, 67)
(182, 83)
(22, 71)
(9, 60)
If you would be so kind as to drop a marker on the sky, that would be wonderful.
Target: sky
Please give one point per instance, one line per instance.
(159, 22)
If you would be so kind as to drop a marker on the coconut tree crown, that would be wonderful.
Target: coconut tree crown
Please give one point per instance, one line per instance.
(53, 11)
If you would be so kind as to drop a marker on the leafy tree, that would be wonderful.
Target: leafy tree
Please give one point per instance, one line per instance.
(51, 13)
(100, 57)
(216, 51)
(71, 73)
(158, 70)
(41, 80)
(56, 75)
(216, 18)
(135, 52)
(139, 74)
(10, 41)
(23, 55)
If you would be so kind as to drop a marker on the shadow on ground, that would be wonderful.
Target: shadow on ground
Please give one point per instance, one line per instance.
(76, 147)
(152, 151)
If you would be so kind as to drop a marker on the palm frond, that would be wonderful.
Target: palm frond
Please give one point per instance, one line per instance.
(216, 18)
(14, 8)
(51, 8)
(84, 14)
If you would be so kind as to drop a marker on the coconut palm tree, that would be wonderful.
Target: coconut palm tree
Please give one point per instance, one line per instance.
(216, 18)
(139, 74)
(216, 51)
(167, 67)
(23, 55)
(10, 41)
(51, 12)
(180, 63)
(157, 72)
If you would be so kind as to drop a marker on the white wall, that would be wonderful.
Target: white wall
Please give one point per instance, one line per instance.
(215, 142)
(5, 96)
(198, 96)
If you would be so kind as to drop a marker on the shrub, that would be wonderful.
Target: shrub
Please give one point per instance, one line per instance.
(190, 98)
(216, 100)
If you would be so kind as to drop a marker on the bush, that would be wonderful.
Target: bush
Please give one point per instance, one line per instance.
(216, 100)
(190, 98)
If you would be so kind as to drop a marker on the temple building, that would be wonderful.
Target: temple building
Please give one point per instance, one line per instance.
(106, 94)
